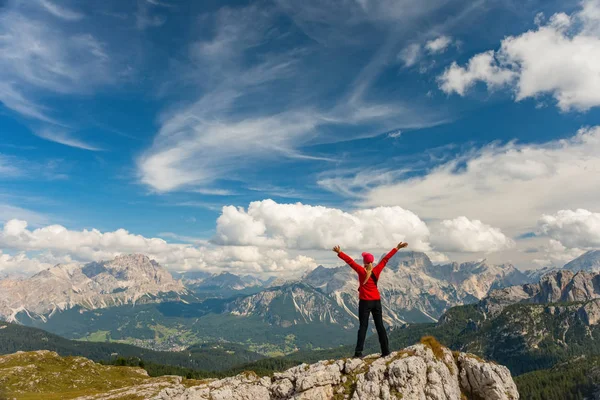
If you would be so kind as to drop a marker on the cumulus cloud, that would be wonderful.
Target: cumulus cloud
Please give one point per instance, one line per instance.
(481, 67)
(507, 186)
(572, 228)
(560, 58)
(22, 265)
(439, 44)
(93, 245)
(464, 235)
(300, 226)
(555, 254)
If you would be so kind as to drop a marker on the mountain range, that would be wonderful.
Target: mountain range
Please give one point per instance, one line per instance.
(132, 299)
(125, 280)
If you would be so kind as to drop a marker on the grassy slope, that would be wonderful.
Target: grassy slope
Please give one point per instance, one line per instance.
(44, 375)
(210, 357)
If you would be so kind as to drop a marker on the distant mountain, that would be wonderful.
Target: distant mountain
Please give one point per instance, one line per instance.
(191, 277)
(562, 286)
(526, 327)
(227, 280)
(589, 261)
(292, 304)
(125, 280)
(534, 275)
(274, 321)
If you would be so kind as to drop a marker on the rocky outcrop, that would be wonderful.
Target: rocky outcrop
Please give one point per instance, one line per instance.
(417, 372)
(555, 287)
(420, 372)
(124, 280)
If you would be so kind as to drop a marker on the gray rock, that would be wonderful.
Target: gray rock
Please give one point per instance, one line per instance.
(413, 373)
(485, 380)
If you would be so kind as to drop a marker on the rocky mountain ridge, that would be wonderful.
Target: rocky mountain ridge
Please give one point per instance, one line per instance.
(560, 286)
(417, 372)
(124, 280)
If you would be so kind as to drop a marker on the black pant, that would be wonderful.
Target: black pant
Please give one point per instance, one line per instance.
(366, 307)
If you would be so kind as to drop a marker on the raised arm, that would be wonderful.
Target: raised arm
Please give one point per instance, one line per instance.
(387, 257)
(348, 259)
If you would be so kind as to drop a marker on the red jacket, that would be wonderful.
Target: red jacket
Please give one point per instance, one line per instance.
(369, 290)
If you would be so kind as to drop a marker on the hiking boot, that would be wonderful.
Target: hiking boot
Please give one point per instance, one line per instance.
(357, 355)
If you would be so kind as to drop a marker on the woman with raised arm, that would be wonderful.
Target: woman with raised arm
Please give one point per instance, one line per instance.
(369, 298)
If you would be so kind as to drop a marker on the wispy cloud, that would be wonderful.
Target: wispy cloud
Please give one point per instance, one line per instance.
(8, 212)
(40, 58)
(60, 11)
(224, 131)
(146, 18)
(8, 167)
(65, 139)
(14, 100)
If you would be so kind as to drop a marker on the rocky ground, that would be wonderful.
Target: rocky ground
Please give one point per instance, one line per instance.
(423, 371)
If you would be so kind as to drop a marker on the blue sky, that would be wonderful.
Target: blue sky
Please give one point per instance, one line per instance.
(152, 115)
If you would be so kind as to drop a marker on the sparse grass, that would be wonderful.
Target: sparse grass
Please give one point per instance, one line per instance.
(395, 394)
(434, 345)
(36, 375)
(349, 388)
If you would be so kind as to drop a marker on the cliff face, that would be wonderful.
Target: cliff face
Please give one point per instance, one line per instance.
(558, 286)
(417, 372)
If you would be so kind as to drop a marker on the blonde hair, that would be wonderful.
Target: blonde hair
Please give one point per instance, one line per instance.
(369, 273)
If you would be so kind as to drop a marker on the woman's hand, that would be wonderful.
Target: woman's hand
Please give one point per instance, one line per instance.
(337, 249)
(401, 245)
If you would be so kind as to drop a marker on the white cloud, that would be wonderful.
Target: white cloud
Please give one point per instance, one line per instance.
(507, 186)
(219, 134)
(439, 44)
(8, 212)
(555, 254)
(88, 245)
(21, 265)
(40, 57)
(481, 67)
(300, 226)
(561, 58)
(65, 139)
(61, 12)
(410, 55)
(578, 229)
(193, 149)
(464, 235)
(14, 100)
